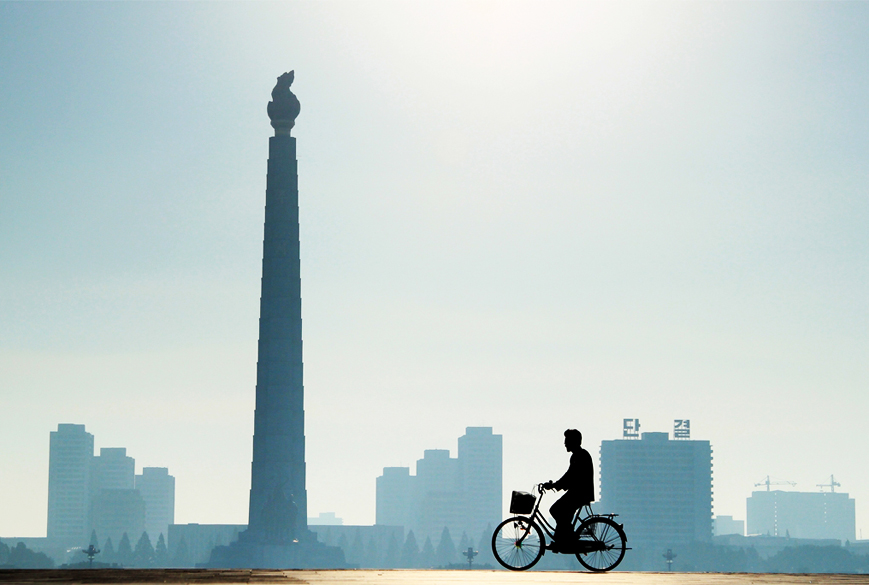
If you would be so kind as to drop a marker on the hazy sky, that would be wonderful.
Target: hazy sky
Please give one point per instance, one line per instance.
(530, 216)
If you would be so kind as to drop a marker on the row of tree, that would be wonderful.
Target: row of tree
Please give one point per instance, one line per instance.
(143, 555)
(21, 557)
(410, 555)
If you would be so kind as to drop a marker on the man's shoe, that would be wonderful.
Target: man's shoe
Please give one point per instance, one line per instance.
(563, 546)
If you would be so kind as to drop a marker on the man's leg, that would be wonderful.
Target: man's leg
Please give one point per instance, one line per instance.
(562, 511)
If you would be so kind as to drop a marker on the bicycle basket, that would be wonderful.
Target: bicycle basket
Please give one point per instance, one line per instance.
(522, 503)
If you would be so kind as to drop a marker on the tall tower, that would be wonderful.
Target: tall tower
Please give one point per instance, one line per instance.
(278, 499)
(277, 536)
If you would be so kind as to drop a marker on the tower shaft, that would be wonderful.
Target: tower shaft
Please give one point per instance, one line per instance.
(278, 499)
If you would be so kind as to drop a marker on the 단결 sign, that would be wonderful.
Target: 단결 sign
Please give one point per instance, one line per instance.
(681, 429)
(631, 428)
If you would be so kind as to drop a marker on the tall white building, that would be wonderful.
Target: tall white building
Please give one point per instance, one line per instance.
(662, 491)
(463, 494)
(71, 449)
(157, 489)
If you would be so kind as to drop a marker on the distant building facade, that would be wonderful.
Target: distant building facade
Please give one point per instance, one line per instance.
(462, 494)
(118, 512)
(725, 525)
(818, 515)
(660, 488)
(157, 488)
(71, 449)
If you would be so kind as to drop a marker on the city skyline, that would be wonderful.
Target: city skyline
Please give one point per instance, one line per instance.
(564, 216)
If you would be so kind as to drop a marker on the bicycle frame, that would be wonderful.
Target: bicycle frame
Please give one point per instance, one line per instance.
(537, 516)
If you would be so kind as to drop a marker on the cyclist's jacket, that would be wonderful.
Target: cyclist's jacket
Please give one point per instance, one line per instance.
(579, 478)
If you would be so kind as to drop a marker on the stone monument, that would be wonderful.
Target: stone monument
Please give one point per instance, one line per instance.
(277, 535)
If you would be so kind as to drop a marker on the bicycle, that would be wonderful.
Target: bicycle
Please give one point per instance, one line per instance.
(519, 542)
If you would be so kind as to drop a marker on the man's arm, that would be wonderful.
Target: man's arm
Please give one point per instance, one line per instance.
(566, 480)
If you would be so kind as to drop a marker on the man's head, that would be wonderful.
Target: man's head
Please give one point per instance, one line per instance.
(572, 440)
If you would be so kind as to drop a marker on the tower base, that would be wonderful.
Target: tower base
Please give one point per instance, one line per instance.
(243, 554)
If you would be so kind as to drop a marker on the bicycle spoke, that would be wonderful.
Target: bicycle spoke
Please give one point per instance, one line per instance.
(517, 544)
(606, 544)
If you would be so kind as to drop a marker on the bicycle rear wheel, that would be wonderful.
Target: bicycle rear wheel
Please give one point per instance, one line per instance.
(518, 543)
(602, 542)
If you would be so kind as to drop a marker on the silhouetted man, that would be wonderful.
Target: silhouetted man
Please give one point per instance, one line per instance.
(579, 483)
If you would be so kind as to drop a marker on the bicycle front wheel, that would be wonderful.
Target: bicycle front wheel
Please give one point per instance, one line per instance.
(518, 543)
(602, 544)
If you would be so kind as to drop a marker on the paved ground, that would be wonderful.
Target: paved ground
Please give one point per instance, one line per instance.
(373, 577)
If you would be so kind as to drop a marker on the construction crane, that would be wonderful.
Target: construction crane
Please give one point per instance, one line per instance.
(832, 485)
(768, 482)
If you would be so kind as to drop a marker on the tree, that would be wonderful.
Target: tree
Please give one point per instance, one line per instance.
(4, 553)
(108, 554)
(464, 542)
(427, 558)
(484, 547)
(410, 552)
(94, 540)
(161, 554)
(446, 552)
(393, 554)
(144, 554)
(124, 554)
(181, 558)
(22, 557)
(372, 555)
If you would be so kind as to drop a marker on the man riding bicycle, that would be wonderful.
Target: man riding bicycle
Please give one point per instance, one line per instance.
(578, 481)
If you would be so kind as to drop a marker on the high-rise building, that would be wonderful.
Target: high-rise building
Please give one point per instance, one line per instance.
(102, 493)
(439, 497)
(395, 497)
(462, 494)
(157, 489)
(480, 460)
(113, 469)
(801, 514)
(71, 449)
(662, 491)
